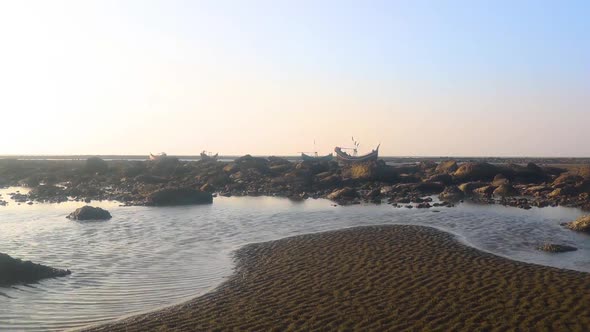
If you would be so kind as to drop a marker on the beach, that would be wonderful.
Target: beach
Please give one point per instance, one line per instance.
(378, 278)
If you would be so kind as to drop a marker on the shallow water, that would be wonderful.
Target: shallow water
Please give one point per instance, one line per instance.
(147, 257)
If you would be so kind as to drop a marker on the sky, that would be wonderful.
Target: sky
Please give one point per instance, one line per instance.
(421, 78)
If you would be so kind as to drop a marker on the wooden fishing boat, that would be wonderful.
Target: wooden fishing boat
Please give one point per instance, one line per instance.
(344, 157)
(158, 156)
(306, 157)
(208, 156)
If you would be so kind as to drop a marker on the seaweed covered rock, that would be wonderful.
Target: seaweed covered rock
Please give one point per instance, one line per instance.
(476, 172)
(581, 224)
(361, 171)
(178, 196)
(90, 213)
(556, 248)
(16, 271)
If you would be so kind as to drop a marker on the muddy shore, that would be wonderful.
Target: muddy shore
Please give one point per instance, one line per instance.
(379, 278)
(137, 182)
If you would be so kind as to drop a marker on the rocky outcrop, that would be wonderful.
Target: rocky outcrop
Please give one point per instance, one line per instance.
(178, 196)
(451, 194)
(475, 172)
(505, 190)
(581, 224)
(448, 166)
(132, 182)
(484, 191)
(90, 213)
(499, 180)
(469, 187)
(15, 271)
(443, 178)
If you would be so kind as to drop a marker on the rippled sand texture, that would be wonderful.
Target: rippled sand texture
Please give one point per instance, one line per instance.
(380, 278)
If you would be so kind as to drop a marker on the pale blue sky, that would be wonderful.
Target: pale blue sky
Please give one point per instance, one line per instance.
(268, 77)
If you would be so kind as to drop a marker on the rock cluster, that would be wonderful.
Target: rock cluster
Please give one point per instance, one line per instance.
(170, 181)
(581, 224)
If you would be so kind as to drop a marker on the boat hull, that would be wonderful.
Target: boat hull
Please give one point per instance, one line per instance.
(345, 158)
(207, 157)
(306, 157)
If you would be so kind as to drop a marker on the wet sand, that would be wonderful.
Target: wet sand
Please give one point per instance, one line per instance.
(379, 278)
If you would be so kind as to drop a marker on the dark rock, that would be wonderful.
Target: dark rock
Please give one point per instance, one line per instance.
(567, 179)
(274, 161)
(469, 187)
(444, 178)
(151, 179)
(165, 166)
(373, 194)
(583, 186)
(178, 196)
(344, 193)
(534, 168)
(248, 162)
(428, 165)
(475, 172)
(429, 187)
(96, 165)
(423, 206)
(90, 213)
(505, 190)
(499, 180)
(15, 271)
(563, 192)
(484, 191)
(48, 193)
(449, 166)
(452, 194)
(281, 168)
(207, 188)
(231, 168)
(556, 248)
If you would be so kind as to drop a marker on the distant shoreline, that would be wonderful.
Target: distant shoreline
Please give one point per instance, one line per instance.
(391, 159)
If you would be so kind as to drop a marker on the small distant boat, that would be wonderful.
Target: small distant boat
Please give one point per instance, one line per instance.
(158, 156)
(306, 157)
(315, 156)
(347, 158)
(344, 157)
(208, 156)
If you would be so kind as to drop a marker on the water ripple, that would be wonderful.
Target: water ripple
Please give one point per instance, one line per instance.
(145, 258)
